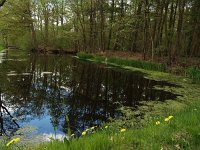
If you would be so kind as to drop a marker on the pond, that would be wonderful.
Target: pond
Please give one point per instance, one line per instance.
(40, 91)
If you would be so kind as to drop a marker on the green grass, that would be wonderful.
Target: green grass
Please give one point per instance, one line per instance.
(182, 131)
(83, 55)
(124, 62)
(193, 73)
(138, 64)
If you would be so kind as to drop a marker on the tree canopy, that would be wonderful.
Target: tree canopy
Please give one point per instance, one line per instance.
(167, 28)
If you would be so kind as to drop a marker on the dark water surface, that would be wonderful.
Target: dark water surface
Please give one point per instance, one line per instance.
(41, 90)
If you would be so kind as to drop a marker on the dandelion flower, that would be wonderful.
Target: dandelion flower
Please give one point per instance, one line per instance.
(168, 118)
(122, 130)
(106, 127)
(13, 141)
(157, 122)
(83, 133)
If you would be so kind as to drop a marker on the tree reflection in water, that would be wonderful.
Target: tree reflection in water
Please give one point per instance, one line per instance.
(7, 122)
(53, 86)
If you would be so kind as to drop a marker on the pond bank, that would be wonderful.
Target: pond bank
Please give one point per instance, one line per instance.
(179, 132)
(191, 71)
(141, 129)
(153, 131)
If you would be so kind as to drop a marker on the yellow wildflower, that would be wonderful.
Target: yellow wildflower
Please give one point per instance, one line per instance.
(13, 141)
(106, 127)
(72, 135)
(157, 122)
(168, 118)
(122, 130)
(83, 133)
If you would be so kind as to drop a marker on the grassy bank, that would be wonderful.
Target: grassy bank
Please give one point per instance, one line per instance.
(179, 132)
(124, 62)
(192, 72)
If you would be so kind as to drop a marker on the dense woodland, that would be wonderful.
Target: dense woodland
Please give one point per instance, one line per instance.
(169, 28)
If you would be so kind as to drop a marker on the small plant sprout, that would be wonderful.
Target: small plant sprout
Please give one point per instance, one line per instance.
(68, 125)
(13, 141)
(157, 122)
(122, 130)
(54, 128)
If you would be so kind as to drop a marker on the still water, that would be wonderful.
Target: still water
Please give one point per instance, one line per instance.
(39, 91)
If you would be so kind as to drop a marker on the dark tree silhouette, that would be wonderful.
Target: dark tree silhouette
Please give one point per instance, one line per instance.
(2, 2)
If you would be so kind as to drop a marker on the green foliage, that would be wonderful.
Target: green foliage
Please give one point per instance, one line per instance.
(138, 64)
(83, 55)
(124, 62)
(193, 73)
(99, 59)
